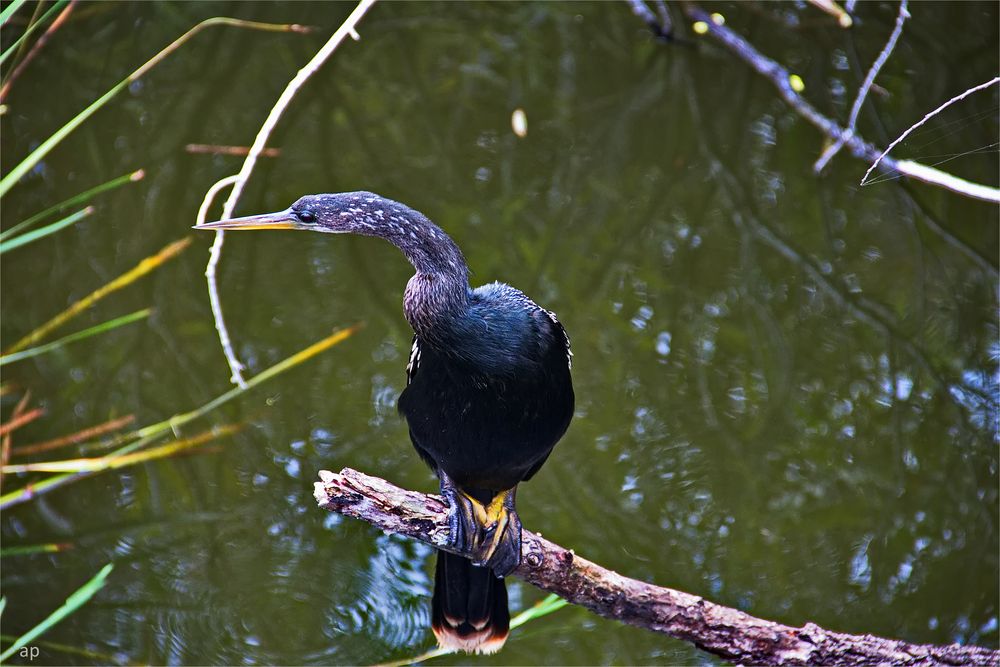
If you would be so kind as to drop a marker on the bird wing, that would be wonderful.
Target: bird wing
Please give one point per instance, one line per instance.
(414, 363)
(559, 327)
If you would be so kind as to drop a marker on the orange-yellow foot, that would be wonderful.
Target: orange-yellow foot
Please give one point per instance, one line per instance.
(499, 546)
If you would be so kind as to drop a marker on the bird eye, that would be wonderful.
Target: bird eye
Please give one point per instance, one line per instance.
(307, 217)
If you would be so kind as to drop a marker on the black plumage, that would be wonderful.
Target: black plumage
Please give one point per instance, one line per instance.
(489, 404)
(488, 395)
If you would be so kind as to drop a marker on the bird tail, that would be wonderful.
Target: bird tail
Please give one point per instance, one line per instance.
(469, 609)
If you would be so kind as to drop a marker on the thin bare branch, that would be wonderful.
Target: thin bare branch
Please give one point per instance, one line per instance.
(858, 147)
(926, 118)
(922, 172)
(347, 28)
(866, 85)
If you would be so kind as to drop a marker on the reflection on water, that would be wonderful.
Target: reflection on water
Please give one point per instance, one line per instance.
(786, 384)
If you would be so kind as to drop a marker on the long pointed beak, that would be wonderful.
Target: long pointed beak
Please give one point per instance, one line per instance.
(279, 220)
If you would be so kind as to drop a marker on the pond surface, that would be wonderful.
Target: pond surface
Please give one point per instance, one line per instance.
(786, 384)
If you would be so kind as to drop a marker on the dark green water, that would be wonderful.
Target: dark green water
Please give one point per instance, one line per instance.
(786, 383)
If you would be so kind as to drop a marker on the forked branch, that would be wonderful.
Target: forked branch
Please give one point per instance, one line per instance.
(781, 79)
(722, 631)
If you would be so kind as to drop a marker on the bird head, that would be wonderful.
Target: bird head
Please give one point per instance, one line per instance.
(343, 213)
(423, 243)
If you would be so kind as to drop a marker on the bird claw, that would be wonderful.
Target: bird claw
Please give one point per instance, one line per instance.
(501, 553)
(498, 546)
(490, 535)
(460, 515)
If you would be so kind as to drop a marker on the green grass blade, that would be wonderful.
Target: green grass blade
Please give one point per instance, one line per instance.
(36, 156)
(280, 367)
(28, 163)
(55, 481)
(550, 604)
(76, 200)
(112, 462)
(29, 237)
(141, 269)
(10, 9)
(153, 433)
(30, 549)
(417, 659)
(79, 335)
(30, 29)
(73, 602)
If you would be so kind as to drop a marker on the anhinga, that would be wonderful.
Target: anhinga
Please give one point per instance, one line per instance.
(488, 394)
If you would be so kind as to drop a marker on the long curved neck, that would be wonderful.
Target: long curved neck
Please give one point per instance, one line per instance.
(437, 296)
(434, 304)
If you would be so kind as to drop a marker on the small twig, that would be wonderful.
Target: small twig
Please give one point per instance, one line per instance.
(722, 631)
(834, 10)
(348, 27)
(6, 441)
(213, 149)
(879, 63)
(74, 438)
(209, 197)
(926, 118)
(21, 419)
(876, 67)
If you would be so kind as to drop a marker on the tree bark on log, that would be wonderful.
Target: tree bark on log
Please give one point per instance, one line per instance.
(722, 631)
